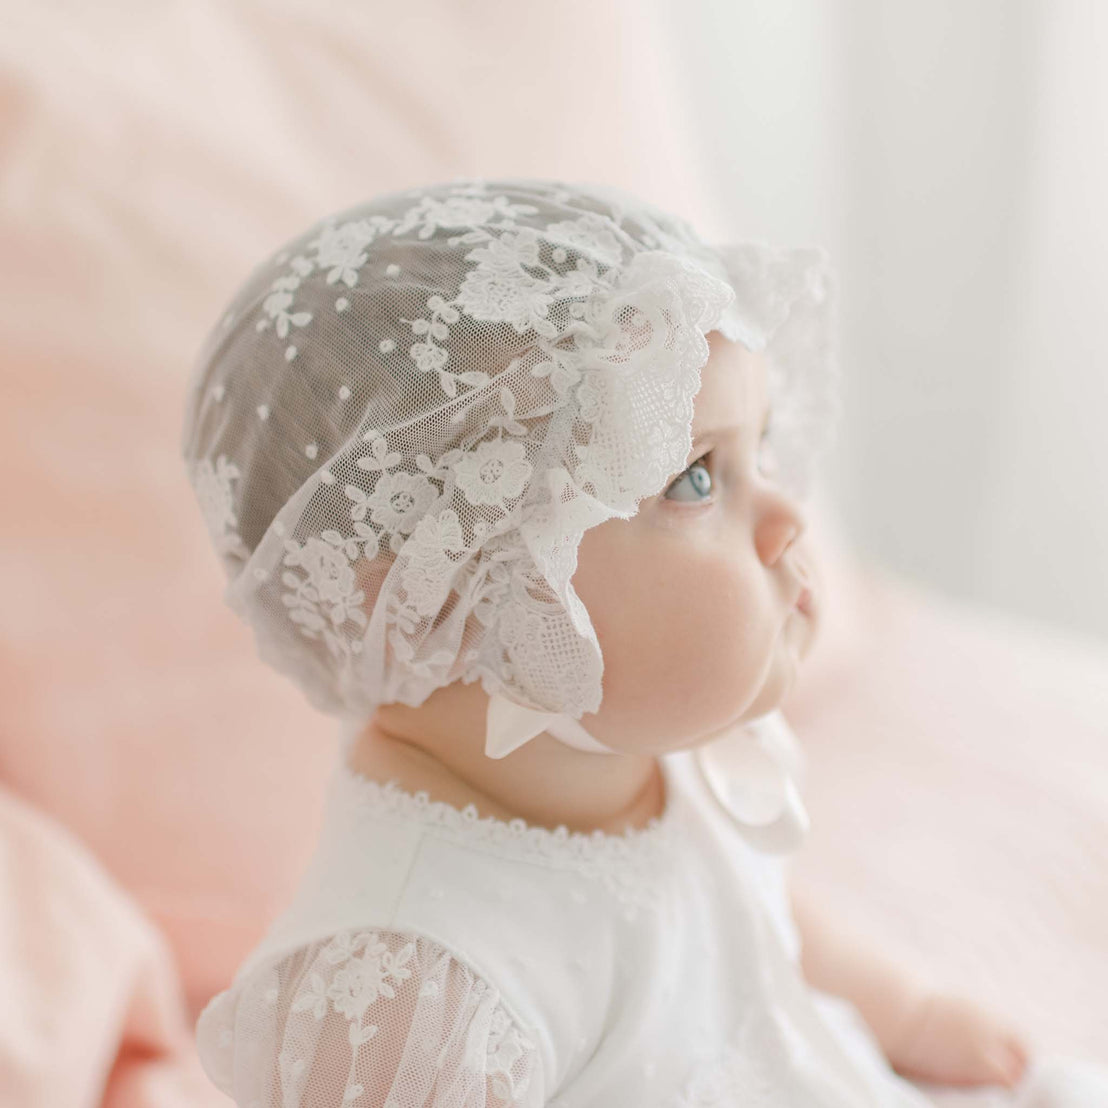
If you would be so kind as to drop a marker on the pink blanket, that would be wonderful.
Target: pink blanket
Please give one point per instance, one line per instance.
(91, 1010)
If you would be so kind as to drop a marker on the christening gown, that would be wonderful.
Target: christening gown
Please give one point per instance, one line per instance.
(431, 957)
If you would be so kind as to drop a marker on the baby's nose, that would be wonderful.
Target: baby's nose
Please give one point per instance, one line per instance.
(780, 523)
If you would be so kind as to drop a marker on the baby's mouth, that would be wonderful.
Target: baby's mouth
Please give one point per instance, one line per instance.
(804, 601)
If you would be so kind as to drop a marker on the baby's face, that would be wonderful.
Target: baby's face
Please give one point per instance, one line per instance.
(694, 598)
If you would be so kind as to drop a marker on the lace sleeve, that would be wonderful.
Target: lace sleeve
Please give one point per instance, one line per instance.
(368, 1019)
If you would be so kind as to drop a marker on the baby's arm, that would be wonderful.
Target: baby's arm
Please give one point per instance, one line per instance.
(924, 1032)
(837, 960)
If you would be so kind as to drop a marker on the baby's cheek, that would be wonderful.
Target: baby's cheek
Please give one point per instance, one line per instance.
(684, 644)
(721, 623)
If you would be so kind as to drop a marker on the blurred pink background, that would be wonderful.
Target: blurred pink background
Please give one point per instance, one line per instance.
(160, 788)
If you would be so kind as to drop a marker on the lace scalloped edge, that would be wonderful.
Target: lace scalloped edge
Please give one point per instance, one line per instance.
(560, 844)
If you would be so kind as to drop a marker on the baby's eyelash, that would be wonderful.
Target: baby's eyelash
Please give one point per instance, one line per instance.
(698, 461)
(708, 453)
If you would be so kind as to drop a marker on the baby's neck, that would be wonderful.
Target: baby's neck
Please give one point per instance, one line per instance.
(439, 748)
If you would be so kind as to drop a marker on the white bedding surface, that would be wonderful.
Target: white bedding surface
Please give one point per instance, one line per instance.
(958, 791)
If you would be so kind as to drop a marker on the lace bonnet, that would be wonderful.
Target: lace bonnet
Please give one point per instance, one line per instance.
(410, 413)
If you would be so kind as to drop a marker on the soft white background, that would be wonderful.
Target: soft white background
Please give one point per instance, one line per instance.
(953, 157)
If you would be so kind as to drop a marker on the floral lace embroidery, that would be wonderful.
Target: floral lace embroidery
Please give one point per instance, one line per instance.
(362, 972)
(213, 491)
(478, 485)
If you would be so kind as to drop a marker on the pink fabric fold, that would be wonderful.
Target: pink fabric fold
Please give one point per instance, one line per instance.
(91, 1012)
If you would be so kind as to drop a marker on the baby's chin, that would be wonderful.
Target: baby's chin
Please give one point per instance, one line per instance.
(796, 644)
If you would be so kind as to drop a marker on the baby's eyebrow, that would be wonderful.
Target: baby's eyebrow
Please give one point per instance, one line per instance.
(715, 433)
(729, 429)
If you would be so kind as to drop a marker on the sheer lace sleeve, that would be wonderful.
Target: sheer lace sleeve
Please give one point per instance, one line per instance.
(368, 1019)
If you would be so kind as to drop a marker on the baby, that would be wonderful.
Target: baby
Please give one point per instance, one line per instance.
(507, 475)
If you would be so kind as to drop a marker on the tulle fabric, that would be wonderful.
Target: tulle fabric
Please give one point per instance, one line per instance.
(408, 416)
(370, 1019)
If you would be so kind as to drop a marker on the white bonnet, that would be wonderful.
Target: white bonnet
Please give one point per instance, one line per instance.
(409, 414)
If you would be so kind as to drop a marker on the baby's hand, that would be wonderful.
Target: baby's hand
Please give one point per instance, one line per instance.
(951, 1040)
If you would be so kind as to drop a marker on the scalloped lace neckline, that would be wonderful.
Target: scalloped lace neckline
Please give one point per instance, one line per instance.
(389, 799)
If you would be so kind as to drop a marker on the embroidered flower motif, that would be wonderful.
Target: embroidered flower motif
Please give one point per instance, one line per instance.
(428, 570)
(341, 250)
(294, 1072)
(592, 398)
(362, 980)
(276, 306)
(506, 1045)
(328, 567)
(342, 947)
(395, 964)
(314, 997)
(459, 211)
(508, 253)
(382, 457)
(330, 596)
(494, 472)
(369, 539)
(582, 281)
(499, 288)
(562, 374)
(522, 302)
(589, 233)
(213, 491)
(508, 402)
(428, 357)
(399, 499)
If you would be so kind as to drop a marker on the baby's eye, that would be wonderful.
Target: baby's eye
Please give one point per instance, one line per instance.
(694, 484)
